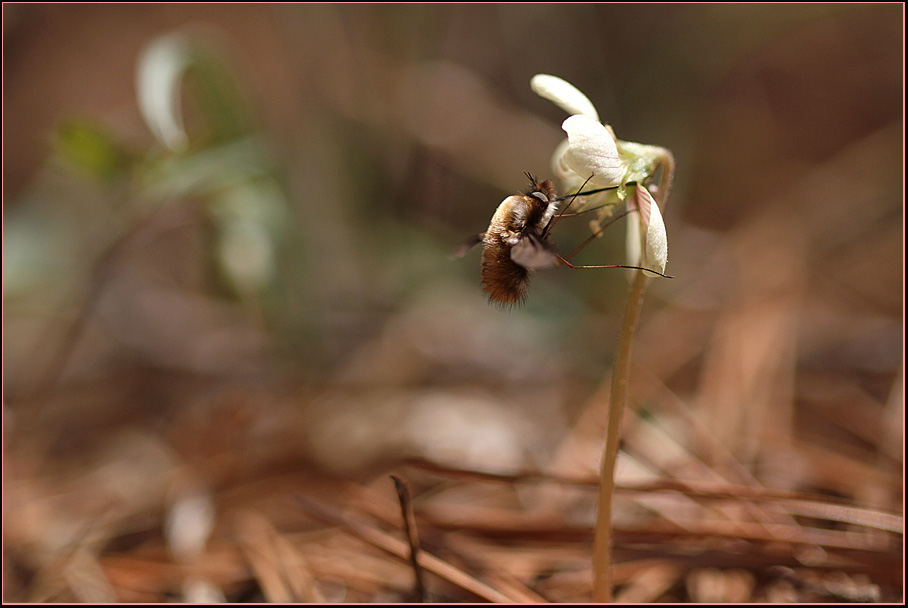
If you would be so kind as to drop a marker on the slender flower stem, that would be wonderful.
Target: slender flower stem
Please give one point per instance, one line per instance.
(602, 543)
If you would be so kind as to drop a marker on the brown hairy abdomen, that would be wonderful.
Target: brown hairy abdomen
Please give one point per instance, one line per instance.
(503, 279)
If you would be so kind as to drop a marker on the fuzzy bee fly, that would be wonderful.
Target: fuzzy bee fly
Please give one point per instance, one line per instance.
(516, 242)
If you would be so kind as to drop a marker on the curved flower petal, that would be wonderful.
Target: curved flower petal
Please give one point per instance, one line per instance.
(563, 94)
(561, 170)
(162, 66)
(592, 150)
(656, 240)
(647, 224)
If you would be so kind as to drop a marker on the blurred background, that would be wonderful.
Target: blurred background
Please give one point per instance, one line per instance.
(227, 295)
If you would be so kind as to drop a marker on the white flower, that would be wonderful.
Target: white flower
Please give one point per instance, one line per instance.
(592, 153)
(591, 149)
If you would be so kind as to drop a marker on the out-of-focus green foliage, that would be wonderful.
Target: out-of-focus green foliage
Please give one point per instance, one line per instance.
(208, 156)
(211, 154)
(91, 150)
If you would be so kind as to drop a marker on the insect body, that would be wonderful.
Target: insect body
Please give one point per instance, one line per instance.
(516, 243)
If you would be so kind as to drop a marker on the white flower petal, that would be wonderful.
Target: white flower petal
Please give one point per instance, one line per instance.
(656, 239)
(592, 151)
(565, 95)
(162, 65)
(647, 224)
(562, 171)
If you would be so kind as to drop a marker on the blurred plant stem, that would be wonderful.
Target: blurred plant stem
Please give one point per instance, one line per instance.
(602, 543)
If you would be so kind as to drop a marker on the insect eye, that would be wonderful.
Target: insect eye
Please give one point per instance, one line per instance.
(540, 196)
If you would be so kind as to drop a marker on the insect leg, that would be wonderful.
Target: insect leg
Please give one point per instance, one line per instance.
(569, 265)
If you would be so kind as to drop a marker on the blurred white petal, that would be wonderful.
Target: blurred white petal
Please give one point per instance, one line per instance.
(592, 151)
(565, 95)
(158, 79)
(189, 522)
(200, 591)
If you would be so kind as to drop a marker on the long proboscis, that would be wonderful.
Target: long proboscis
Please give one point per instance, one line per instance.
(573, 197)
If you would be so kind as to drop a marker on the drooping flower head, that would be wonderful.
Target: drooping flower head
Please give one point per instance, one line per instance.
(592, 154)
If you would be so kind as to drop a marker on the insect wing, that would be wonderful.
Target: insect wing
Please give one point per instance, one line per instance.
(467, 244)
(532, 253)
